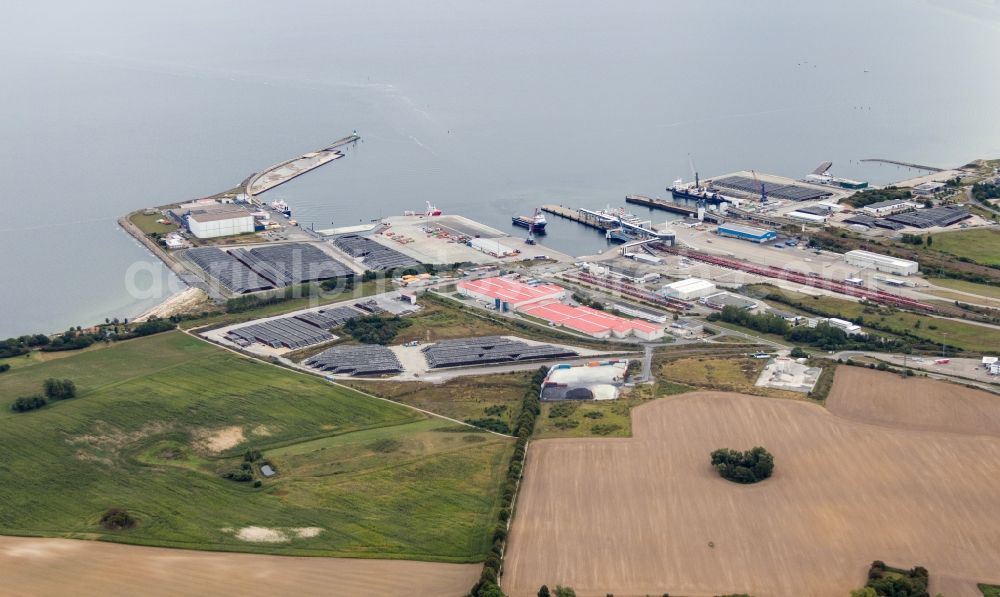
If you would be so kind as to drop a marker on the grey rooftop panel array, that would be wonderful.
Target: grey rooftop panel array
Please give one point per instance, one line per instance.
(229, 272)
(373, 255)
(489, 349)
(356, 360)
(299, 262)
(329, 318)
(926, 218)
(791, 192)
(287, 332)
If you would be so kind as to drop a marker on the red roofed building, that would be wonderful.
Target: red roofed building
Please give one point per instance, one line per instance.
(510, 292)
(593, 322)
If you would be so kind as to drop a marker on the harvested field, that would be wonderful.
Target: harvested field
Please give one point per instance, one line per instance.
(43, 567)
(636, 516)
(913, 403)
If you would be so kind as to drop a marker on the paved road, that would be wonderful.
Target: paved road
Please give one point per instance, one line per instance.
(970, 375)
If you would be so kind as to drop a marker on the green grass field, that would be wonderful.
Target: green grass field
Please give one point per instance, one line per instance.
(964, 286)
(989, 590)
(600, 418)
(158, 420)
(148, 224)
(981, 245)
(462, 398)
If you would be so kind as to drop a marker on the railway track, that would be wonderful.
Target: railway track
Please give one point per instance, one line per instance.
(633, 292)
(875, 296)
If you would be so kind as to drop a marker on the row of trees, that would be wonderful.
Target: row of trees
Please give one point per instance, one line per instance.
(917, 239)
(824, 335)
(833, 340)
(524, 426)
(77, 338)
(751, 466)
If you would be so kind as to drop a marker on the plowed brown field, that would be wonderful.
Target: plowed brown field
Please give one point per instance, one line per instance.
(58, 567)
(912, 403)
(636, 516)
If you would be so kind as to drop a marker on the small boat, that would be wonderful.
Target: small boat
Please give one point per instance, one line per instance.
(280, 206)
(535, 223)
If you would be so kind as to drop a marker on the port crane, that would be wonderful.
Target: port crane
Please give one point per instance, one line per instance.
(697, 186)
(531, 228)
(763, 190)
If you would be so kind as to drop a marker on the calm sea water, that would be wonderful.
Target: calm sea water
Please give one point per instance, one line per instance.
(484, 109)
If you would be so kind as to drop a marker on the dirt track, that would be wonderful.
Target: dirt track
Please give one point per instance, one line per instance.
(41, 567)
(635, 516)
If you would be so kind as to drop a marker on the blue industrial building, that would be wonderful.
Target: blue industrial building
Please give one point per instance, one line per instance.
(757, 235)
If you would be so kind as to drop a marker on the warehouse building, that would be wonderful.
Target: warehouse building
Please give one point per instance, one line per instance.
(726, 299)
(627, 274)
(688, 290)
(592, 322)
(492, 247)
(887, 208)
(757, 235)
(205, 223)
(640, 312)
(882, 263)
(928, 188)
(507, 294)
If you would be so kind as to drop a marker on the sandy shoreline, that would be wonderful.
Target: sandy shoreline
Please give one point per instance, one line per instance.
(176, 303)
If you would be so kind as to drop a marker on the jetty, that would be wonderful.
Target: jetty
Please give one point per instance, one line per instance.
(906, 164)
(287, 170)
(671, 207)
(617, 227)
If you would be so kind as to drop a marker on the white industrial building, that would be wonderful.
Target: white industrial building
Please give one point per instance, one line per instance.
(843, 324)
(220, 222)
(627, 274)
(887, 208)
(689, 289)
(806, 217)
(640, 312)
(491, 246)
(882, 263)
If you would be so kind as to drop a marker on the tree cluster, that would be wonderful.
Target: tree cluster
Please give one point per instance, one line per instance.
(559, 591)
(15, 347)
(116, 519)
(869, 196)
(751, 466)
(524, 426)
(916, 239)
(984, 191)
(26, 403)
(896, 582)
(59, 389)
(153, 326)
(54, 389)
(373, 329)
(4, 367)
